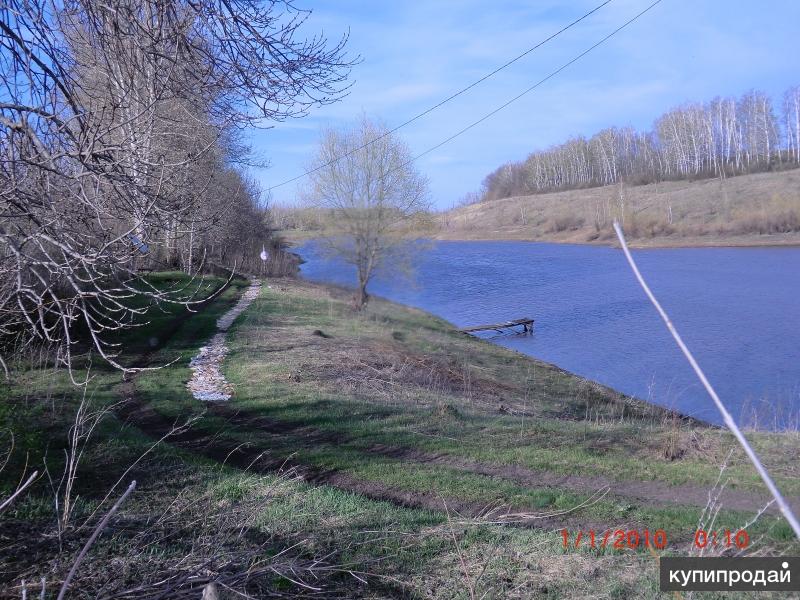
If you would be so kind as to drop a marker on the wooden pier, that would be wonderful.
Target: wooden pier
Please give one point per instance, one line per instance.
(525, 323)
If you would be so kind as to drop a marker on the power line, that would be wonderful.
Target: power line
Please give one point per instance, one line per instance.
(448, 99)
(515, 98)
(535, 85)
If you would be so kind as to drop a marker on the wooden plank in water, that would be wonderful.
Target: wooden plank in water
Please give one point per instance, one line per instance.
(527, 325)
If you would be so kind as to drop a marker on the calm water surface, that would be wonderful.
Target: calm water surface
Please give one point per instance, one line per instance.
(738, 309)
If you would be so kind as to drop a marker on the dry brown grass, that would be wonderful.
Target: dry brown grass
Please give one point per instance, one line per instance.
(763, 208)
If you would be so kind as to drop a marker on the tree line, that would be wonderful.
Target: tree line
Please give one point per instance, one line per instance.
(726, 136)
(120, 149)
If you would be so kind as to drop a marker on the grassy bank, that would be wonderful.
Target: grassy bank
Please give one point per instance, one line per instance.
(374, 454)
(748, 210)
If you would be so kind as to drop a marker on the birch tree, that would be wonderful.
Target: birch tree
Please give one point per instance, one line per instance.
(791, 117)
(725, 136)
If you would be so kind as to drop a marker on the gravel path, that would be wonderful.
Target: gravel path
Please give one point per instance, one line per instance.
(207, 382)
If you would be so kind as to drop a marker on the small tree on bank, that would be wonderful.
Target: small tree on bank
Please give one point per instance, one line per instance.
(371, 197)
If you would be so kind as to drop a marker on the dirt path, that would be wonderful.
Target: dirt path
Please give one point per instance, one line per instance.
(257, 458)
(646, 493)
(208, 383)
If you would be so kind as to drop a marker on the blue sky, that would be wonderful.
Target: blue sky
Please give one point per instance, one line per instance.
(415, 53)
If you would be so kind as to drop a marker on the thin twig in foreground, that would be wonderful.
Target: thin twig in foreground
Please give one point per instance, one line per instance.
(19, 490)
(95, 533)
(729, 422)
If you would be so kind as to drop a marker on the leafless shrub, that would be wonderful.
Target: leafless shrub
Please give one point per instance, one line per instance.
(782, 221)
(568, 222)
(775, 414)
(97, 531)
(78, 438)
(707, 521)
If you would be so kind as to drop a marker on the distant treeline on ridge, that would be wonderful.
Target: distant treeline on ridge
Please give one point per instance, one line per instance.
(726, 136)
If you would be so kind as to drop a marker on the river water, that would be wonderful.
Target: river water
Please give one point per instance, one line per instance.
(738, 309)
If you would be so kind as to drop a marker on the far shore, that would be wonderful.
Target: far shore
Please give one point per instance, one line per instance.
(762, 209)
(765, 241)
(752, 241)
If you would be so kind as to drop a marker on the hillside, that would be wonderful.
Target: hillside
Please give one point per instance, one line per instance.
(758, 209)
(379, 454)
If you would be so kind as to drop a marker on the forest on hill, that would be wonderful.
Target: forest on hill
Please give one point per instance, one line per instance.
(719, 138)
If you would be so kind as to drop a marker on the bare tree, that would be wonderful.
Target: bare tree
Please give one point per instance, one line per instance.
(114, 118)
(370, 196)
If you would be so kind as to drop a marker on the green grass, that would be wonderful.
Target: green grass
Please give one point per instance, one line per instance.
(390, 379)
(552, 437)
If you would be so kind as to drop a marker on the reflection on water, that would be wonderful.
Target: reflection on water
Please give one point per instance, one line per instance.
(738, 309)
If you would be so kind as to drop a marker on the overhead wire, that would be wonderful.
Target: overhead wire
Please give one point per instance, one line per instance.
(445, 100)
(488, 115)
(538, 83)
